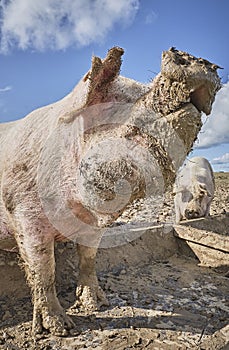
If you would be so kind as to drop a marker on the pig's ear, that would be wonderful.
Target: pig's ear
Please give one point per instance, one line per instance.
(102, 73)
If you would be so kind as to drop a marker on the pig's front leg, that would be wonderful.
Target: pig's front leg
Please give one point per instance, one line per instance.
(36, 247)
(89, 294)
(207, 212)
(177, 202)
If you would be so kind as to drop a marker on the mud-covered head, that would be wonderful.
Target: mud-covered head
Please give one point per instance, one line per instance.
(184, 79)
(199, 199)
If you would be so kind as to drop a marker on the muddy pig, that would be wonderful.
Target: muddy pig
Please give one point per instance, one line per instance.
(64, 166)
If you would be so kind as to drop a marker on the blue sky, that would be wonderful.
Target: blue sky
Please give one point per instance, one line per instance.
(46, 48)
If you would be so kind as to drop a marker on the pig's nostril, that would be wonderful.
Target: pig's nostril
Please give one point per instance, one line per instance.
(190, 214)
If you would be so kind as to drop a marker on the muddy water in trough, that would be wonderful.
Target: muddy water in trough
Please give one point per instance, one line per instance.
(161, 295)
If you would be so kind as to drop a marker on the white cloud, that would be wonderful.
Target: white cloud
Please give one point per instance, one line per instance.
(58, 24)
(151, 17)
(224, 159)
(6, 88)
(215, 130)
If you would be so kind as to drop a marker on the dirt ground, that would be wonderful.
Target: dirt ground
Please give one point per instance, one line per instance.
(160, 298)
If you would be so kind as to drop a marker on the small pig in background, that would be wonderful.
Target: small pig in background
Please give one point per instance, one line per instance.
(194, 189)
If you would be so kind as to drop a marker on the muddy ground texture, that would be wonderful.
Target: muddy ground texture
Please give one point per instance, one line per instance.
(160, 298)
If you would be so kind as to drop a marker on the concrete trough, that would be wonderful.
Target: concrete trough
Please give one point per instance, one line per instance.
(208, 238)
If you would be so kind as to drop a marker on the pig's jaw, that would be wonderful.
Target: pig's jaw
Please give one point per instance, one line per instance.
(202, 100)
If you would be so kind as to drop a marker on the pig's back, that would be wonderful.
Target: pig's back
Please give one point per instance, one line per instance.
(196, 169)
(203, 173)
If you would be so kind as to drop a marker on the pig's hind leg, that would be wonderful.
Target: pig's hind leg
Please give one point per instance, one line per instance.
(89, 294)
(36, 247)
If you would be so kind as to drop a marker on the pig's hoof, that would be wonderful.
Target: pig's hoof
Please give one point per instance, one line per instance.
(90, 298)
(58, 324)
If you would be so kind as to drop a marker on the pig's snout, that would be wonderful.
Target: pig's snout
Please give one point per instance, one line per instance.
(192, 213)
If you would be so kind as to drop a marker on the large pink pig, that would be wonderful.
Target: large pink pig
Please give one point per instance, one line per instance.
(69, 169)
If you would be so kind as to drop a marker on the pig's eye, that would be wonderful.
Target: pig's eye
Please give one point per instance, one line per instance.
(202, 193)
